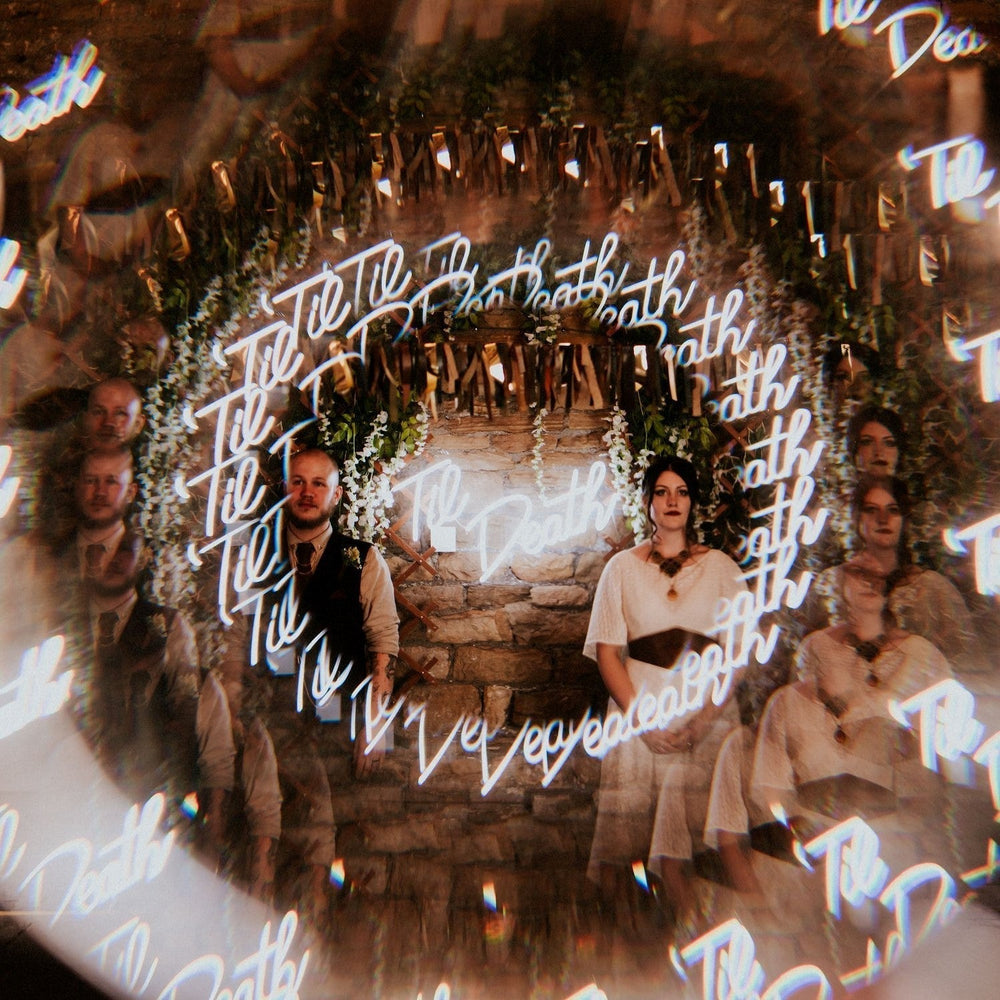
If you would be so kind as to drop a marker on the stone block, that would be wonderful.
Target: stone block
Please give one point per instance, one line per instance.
(427, 833)
(472, 626)
(421, 878)
(444, 704)
(458, 440)
(508, 666)
(558, 703)
(540, 626)
(513, 442)
(495, 596)
(424, 654)
(398, 563)
(496, 703)
(447, 596)
(360, 801)
(543, 568)
(590, 565)
(564, 596)
(464, 566)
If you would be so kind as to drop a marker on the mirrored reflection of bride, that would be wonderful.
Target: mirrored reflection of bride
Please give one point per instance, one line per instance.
(654, 603)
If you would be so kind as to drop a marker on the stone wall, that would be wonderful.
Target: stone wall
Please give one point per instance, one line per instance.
(508, 647)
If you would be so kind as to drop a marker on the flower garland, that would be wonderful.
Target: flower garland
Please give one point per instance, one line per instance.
(367, 473)
(537, 465)
(627, 470)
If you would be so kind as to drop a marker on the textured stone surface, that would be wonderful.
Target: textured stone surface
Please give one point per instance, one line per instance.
(590, 565)
(509, 666)
(447, 596)
(486, 596)
(543, 568)
(560, 597)
(472, 626)
(459, 566)
(444, 704)
(496, 704)
(532, 625)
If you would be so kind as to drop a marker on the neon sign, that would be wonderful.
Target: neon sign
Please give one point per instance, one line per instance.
(136, 856)
(12, 278)
(34, 693)
(943, 41)
(72, 80)
(989, 361)
(563, 517)
(956, 175)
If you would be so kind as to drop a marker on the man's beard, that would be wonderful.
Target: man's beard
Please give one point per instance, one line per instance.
(100, 589)
(321, 518)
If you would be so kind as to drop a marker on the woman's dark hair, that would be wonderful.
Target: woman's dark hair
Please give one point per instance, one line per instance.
(859, 352)
(873, 414)
(681, 467)
(896, 488)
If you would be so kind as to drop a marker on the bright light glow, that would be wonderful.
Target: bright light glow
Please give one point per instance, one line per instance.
(72, 80)
(490, 896)
(956, 175)
(8, 486)
(989, 361)
(727, 957)
(384, 186)
(509, 524)
(572, 169)
(34, 693)
(338, 874)
(853, 871)
(985, 536)
(722, 155)
(948, 727)
(12, 278)
(639, 874)
(133, 857)
(508, 153)
(190, 805)
(944, 43)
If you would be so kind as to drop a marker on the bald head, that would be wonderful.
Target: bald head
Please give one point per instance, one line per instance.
(113, 418)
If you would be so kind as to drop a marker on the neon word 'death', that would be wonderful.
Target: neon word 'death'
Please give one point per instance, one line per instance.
(945, 42)
(510, 524)
(72, 80)
(134, 857)
(267, 973)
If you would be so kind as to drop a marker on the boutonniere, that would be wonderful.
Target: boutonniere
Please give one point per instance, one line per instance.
(352, 556)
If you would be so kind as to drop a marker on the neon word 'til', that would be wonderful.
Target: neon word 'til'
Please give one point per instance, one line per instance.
(956, 175)
(72, 80)
(989, 361)
(985, 536)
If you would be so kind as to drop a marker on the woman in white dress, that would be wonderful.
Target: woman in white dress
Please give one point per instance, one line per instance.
(828, 746)
(923, 602)
(657, 605)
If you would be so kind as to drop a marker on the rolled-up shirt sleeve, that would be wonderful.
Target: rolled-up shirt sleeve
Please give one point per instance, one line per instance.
(378, 606)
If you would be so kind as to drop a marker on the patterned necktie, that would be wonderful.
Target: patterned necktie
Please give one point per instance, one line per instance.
(304, 552)
(93, 554)
(106, 622)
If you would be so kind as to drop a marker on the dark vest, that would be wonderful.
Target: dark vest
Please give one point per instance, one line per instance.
(146, 719)
(331, 596)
